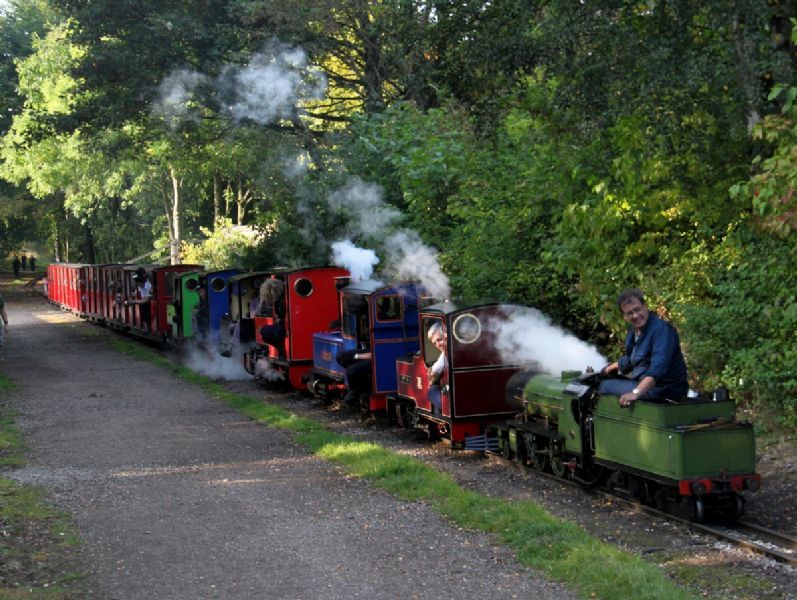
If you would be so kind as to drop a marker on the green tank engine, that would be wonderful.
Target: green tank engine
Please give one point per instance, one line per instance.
(693, 454)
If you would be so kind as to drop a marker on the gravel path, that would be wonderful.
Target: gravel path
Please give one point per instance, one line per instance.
(177, 496)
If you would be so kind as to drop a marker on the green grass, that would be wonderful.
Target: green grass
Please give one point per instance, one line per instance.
(36, 538)
(12, 444)
(560, 549)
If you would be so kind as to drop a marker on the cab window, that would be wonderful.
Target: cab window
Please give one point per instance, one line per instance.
(430, 351)
(355, 317)
(389, 308)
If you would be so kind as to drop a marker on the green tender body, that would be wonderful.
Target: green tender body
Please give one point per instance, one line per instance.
(669, 440)
(673, 441)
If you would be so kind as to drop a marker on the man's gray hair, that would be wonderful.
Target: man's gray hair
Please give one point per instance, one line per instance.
(437, 327)
(629, 293)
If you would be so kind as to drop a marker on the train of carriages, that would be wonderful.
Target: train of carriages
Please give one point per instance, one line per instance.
(690, 455)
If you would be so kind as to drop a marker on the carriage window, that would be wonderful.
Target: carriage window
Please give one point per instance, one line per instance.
(467, 328)
(217, 284)
(303, 287)
(388, 308)
(191, 284)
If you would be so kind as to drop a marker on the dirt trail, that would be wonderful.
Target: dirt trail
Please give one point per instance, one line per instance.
(177, 496)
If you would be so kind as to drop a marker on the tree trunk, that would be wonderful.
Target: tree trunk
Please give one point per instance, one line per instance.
(176, 233)
(57, 240)
(216, 198)
(372, 62)
(747, 77)
(89, 249)
(227, 200)
(242, 199)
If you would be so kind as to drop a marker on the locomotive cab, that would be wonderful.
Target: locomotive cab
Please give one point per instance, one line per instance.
(310, 304)
(472, 385)
(378, 320)
(237, 325)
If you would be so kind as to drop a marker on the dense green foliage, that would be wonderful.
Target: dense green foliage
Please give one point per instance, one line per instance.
(553, 152)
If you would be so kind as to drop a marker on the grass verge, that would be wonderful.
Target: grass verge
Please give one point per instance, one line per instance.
(12, 446)
(37, 542)
(562, 550)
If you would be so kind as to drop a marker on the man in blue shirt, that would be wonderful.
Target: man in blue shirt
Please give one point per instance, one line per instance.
(653, 366)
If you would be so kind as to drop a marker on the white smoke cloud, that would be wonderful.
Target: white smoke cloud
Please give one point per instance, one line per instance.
(215, 366)
(177, 100)
(410, 258)
(272, 84)
(528, 336)
(264, 370)
(363, 205)
(270, 87)
(407, 257)
(359, 261)
(295, 167)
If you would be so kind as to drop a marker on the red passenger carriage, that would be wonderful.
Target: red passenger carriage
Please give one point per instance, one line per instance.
(116, 289)
(66, 285)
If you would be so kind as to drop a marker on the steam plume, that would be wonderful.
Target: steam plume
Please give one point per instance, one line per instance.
(410, 258)
(407, 257)
(177, 98)
(264, 370)
(272, 84)
(268, 88)
(216, 366)
(359, 261)
(528, 336)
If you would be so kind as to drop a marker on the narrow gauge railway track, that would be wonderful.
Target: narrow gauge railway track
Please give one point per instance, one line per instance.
(755, 538)
(769, 543)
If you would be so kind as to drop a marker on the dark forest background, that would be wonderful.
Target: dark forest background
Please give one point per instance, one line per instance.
(553, 152)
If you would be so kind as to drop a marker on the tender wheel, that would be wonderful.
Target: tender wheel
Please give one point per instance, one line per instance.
(737, 508)
(249, 364)
(558, 466)
(506, 451)
(557, 463)
(698, 510)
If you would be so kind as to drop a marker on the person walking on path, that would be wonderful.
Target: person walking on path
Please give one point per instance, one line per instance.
(32, 263)
(24, 262)
(15, 264)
